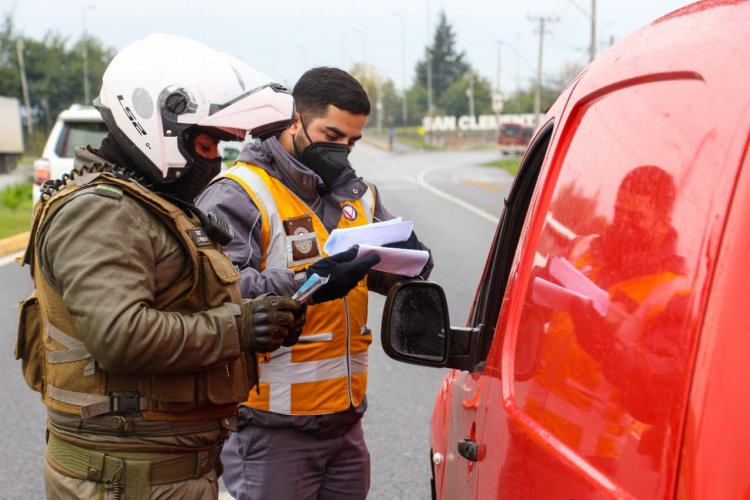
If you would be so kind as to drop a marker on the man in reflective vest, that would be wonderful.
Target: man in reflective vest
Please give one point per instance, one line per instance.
(136, 333)
(604, 381)
(283, 198)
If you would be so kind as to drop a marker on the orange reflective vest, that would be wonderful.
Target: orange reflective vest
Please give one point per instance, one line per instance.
(570, 395)
(326, 372)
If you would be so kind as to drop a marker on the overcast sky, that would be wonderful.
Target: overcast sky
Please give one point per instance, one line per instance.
(284, 37)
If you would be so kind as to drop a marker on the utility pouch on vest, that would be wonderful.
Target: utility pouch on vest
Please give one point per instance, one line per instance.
(29, 346)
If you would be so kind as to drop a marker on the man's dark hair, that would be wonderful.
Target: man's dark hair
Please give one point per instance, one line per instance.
(319, 87)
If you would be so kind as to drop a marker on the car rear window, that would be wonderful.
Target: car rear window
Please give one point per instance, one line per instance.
(76, 134)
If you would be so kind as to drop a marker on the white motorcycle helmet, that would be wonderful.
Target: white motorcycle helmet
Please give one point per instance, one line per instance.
(158, 87)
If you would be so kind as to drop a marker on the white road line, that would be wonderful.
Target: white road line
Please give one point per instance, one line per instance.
(9, 258)
(461, 203)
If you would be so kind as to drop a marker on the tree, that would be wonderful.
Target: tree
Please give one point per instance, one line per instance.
(54, 70)
(455, 99)
(446, 62)
(379, 89)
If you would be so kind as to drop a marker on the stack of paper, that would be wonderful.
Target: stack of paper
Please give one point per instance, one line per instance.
(371, 239)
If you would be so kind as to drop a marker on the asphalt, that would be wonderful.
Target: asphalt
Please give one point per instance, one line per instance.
(22, 173)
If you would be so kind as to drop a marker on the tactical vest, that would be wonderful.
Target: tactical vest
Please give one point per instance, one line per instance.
(326, 371)
(57, 364)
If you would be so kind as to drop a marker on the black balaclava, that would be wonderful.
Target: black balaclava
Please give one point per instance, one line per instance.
(327, 159)
(183, 191)
(198, 173)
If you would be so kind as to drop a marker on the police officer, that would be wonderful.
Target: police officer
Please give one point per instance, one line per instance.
(137, 333)
(284, 197)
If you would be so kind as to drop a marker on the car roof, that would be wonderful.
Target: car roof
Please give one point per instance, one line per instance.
(81, 113)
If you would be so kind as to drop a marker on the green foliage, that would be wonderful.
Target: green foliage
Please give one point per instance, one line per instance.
(14, 197)
(15, 209)
(379, 88)
(446, 62)
(509, 164)
(522, 101)
(54, 71)
(455, 100)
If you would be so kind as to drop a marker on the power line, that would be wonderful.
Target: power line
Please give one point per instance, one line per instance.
(542, 20)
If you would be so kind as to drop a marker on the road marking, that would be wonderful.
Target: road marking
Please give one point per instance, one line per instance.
(461, 203)
(9, 258)
(484, 185)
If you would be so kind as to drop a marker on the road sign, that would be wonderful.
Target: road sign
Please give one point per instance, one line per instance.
(497, 102)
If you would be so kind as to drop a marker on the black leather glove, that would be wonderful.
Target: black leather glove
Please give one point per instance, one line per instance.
(410, 244)
(270, 321)
(343, 273)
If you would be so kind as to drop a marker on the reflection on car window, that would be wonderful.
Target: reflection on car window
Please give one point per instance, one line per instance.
(80, 134)
(610, 291)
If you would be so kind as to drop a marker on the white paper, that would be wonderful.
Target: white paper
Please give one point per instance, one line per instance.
(396, 260)
(575, 281)
(547, 294)
(376, 234)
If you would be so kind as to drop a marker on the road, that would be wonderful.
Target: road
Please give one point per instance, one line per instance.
(454, 203)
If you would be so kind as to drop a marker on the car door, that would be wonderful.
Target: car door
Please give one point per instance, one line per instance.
(468, 402)
(587, 393)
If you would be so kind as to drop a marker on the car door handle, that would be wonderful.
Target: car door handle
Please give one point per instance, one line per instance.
(469, 449)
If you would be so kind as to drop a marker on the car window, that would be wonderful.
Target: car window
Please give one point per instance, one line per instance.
(487, 307)
(76, 134)
(607, 319)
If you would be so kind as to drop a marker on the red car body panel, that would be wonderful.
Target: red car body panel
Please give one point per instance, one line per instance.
(670, 399)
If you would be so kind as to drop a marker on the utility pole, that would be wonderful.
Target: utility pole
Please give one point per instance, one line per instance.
(404, 115)
(592, 47)
(86, 96)
(470, 94)
(429, 62)
(538, 92)
(499, 60)
(592, 19)
(404, 118)
(343, 53)
(24, 86)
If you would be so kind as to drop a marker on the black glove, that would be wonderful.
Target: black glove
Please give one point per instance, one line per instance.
(343, 273)
(410, 244)
(270, 321)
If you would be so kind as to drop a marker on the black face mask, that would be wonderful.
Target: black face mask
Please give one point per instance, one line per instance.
(327, 159)
(200, 173)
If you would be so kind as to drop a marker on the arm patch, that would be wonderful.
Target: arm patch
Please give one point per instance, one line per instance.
(109, 191)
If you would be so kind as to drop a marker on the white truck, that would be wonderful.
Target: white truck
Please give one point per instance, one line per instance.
(11, 137)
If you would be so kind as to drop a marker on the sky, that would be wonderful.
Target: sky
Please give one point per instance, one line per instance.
(282, 38)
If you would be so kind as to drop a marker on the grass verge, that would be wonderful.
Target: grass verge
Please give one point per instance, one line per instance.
(509, 164)
(15, 209)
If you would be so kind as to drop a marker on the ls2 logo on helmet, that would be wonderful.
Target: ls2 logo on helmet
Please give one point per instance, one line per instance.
(130, 114)
(350, 213)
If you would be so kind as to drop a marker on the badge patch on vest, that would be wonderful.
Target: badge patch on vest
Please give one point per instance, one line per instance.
(199, 237)
(350, 213)
(302, 241)
(109, 191)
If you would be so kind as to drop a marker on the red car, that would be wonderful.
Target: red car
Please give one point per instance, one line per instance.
(606, 354)
(513, 137)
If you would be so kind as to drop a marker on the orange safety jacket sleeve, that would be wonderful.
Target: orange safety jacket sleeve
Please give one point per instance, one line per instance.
(108, 258)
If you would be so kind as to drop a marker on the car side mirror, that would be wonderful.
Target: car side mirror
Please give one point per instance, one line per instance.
(416, 324)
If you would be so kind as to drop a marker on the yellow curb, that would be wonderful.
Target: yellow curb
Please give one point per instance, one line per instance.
(13, 244)
(375, 143)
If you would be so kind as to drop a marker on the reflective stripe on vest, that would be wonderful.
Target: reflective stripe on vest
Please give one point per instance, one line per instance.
(326, 371)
